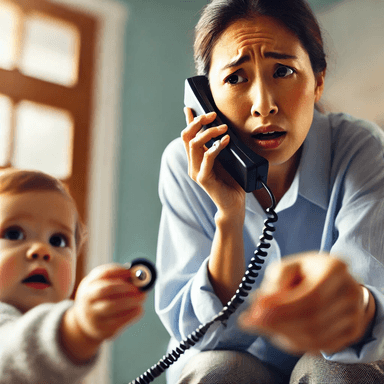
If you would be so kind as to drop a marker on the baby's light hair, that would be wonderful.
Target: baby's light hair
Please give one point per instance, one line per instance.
(16, 181)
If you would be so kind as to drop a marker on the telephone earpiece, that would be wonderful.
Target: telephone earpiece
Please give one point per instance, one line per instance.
(143, 273)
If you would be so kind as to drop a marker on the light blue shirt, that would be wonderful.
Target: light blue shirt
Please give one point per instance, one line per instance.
(335, 204)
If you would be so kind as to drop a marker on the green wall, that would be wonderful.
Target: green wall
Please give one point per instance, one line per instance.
(157, 60)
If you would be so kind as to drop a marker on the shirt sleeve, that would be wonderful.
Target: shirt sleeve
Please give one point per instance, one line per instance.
(356, 226)
(30, 349)
(184, 297)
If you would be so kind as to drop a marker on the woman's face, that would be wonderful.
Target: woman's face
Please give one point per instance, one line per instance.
(262, 81)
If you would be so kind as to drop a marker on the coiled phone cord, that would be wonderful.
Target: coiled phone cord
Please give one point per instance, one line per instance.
(248, 279)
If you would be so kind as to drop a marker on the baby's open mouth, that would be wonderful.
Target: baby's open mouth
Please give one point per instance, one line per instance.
(37, 279)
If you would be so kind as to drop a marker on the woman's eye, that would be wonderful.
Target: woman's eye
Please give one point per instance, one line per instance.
(58, 240)
(13, 234)
(235, 79)
(283, 71)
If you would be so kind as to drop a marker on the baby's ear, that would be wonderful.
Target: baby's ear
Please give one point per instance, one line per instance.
(81, 237)
(319, 87)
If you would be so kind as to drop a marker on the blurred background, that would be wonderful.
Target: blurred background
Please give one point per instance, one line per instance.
(91, 91)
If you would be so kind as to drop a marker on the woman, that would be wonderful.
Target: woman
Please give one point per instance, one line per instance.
(312, 317)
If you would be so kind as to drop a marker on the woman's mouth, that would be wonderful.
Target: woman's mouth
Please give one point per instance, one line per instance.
(268, 135)
(270, 139)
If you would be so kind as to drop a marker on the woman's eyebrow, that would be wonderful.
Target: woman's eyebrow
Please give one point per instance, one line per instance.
(236, 62)
(268, 55)
(279, 56)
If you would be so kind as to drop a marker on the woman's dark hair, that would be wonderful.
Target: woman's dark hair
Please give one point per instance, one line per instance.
(296, 15)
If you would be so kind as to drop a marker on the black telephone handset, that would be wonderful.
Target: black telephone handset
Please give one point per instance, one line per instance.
(245, 166)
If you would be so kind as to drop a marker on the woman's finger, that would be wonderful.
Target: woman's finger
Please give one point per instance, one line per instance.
(189, 134)
(197, 145)
(195, 125)
(209, 158)
(189, 116)
(197, 149)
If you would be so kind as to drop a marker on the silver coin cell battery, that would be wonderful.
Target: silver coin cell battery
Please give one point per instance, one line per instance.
(143, 273)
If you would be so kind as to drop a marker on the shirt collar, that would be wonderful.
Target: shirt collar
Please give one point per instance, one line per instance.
(315, 162)
(312, 177)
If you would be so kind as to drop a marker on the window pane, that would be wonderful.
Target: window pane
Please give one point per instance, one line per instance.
(5, 129)
(50, 50)
(9, 18)
(43, 139)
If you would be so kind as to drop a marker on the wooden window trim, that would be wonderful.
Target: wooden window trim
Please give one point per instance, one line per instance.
(106, 125)
(77, 99)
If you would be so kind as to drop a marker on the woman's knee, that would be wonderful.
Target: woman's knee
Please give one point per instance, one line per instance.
(227, 367)
(315, 370)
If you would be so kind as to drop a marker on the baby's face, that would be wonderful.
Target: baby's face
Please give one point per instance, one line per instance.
(37, 248)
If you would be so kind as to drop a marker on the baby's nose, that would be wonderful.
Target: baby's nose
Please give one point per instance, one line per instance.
(38, 251)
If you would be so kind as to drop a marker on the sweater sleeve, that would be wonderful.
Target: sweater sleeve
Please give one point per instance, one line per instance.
(30, 350)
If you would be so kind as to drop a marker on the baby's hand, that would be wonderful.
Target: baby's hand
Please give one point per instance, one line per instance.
(106, 301)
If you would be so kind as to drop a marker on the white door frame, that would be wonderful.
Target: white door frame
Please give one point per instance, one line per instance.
(105, 134)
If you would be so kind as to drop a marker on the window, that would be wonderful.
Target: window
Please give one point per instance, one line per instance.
(46, 83)
(54, 128)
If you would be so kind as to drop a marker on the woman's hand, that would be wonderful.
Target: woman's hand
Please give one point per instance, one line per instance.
(226, 261)
(225, 192)
(309, 303)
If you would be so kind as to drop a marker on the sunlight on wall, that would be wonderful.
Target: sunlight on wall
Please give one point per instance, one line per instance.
(54, 127)
(58, 42)
(354, 32)
(5, 130)
(48, 48)
(9, 15)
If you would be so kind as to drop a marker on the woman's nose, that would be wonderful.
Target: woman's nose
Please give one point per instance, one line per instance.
(263, 101)
(38, 251)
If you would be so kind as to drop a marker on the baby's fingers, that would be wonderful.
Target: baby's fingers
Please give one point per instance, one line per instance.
(109, 271)
(117, 307)
(109, 289)
(114, 325)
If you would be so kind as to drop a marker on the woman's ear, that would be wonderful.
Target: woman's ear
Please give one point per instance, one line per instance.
(319, 88)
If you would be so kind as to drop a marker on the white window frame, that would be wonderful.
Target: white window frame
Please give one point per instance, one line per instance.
(105, 131)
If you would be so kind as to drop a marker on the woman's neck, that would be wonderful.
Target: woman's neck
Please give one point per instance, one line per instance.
(280, 178)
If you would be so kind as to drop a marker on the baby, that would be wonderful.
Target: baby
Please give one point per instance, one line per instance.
(44, 337)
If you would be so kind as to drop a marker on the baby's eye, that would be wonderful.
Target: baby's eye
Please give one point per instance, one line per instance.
(13, 233)
(283, 71)
(235, 79)
(58, 240)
